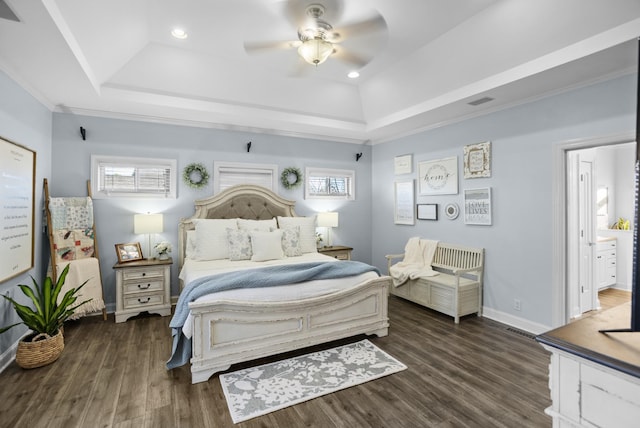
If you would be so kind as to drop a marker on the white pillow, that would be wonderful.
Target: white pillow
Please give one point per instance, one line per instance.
(211, 238)
(291, 241)
(307, 231)
(261, 225)
(191, 245)
(266, 245)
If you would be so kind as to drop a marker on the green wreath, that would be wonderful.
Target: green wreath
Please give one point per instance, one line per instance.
(285, 178)
(195, 175)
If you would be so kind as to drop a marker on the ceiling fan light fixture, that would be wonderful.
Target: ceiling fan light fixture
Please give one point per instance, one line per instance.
(315, 51)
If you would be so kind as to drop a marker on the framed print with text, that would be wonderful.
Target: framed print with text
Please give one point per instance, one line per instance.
(403, 211)
(477, 160)
(17, 190)
(403, 164)
(477, 206)
(438, 177)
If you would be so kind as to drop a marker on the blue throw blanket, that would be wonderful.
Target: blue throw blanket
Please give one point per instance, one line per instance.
(251, 278)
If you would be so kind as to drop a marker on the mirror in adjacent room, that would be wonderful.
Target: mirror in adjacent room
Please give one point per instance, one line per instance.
(602, 207)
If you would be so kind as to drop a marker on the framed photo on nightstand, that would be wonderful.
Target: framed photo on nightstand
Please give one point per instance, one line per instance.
(128, 252)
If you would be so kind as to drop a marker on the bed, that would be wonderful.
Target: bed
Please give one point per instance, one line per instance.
(241, 325)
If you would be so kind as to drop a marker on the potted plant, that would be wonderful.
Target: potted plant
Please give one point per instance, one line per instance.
(45, 343)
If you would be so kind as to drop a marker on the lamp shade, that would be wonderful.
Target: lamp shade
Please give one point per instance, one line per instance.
(315, 51)
(147, 223)
(328, 219)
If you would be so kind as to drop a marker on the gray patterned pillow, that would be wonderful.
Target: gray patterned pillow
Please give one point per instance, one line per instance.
(239, 244)
(291, 241)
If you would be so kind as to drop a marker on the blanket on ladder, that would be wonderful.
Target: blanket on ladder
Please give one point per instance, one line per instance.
(251, 278)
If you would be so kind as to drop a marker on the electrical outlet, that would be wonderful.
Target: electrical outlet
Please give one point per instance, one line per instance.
(517, 304)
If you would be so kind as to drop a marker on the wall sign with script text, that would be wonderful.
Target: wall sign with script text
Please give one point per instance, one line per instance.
(438, 177)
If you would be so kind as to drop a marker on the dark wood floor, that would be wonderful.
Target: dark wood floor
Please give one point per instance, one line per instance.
(476, 374)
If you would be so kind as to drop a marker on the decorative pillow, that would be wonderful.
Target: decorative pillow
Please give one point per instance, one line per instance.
(239, 242)
(74, 244)
(266, 245)
(307, 231)
(191, 245)
(291, 241)
(211, 238)
(261, 225)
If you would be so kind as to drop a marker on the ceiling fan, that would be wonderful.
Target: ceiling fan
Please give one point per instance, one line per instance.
(318, 40)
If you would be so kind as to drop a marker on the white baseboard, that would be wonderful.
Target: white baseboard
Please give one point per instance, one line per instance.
(8, 356)
(513, 321)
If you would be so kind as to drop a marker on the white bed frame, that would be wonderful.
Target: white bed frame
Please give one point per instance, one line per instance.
(229, 332)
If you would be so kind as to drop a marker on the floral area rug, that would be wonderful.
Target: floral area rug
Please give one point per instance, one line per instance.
(260, 390)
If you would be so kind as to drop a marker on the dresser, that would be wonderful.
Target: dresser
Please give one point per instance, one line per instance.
(337, 251)
(594, 378)
(143, 285)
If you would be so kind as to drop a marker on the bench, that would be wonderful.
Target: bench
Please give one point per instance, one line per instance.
(456, 290)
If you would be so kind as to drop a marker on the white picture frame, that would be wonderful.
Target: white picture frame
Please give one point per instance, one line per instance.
(403, 164)
(438, 177)
(404, 194)
(477, 206)
(477, 160)
(427, 211)
(17, 209)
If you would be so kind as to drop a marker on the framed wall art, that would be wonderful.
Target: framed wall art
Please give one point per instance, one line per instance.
(477, 160)
(477, 206)
(404, 203)
(128, 252)
(438, 177)
(427, 211)
(17, 192)
(403, 164)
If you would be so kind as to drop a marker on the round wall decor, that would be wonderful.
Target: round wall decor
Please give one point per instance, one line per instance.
(195, 175)
(451, 211)
(291, 178)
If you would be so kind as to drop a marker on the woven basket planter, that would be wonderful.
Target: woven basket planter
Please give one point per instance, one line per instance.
(42, 350)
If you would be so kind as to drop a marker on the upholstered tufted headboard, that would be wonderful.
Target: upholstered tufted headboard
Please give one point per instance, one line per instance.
(243, 201)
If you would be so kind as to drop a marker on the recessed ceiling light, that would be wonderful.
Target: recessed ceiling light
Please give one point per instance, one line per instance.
(353, 75)
(179, 33)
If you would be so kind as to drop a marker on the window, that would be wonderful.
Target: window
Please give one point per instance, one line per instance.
(322, 183)
(113, 177)
(228, 174)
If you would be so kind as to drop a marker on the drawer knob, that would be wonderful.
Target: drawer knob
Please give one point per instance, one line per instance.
(144, 273)
(146, 301)
(143, 288)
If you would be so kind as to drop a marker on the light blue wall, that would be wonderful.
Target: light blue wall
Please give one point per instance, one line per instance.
(519, 243)
(114, 217)
(25, 121)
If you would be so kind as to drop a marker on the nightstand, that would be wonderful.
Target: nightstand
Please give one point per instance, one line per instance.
(143, 285)
(337, 251)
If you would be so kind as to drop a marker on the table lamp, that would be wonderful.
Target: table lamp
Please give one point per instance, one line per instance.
(328, 220)
(147, 224)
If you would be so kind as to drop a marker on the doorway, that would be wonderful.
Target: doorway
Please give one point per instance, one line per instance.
(565, 268)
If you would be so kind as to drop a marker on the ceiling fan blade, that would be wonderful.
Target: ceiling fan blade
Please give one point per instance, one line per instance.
(371, 25)
(258, 47)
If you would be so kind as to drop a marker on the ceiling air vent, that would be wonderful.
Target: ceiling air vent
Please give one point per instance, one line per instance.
(480, 101)
(7, 13)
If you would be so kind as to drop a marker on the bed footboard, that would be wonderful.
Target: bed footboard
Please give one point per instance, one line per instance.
(230, 332)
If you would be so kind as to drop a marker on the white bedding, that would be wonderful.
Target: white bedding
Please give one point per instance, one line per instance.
(193, 269)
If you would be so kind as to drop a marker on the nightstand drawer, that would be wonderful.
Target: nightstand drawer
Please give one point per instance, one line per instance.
(142, 273)
(140, 286)
(143, 300)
